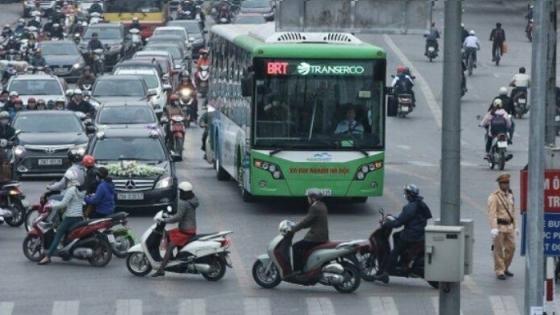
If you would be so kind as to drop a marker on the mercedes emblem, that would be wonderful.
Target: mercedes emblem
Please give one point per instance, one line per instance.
(130, 185)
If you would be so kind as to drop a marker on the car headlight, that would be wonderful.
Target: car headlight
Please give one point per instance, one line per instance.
(164, 183)
(77, 65)
(19, 150)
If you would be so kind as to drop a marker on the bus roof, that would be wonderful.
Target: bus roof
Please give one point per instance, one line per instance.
(263, 41)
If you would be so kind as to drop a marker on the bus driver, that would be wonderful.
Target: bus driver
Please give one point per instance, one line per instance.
(350, 125)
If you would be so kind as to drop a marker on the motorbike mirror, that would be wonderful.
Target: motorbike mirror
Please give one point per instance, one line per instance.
(205, 32)
(392, 75)
(165, 77)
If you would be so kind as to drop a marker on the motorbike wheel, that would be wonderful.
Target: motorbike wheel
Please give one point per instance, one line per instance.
(18, 213)
(266, 280)
(367, 265)
(431, 58)
(519, 115)
(123, 243)
(138, 264)
(219, 269)
(33, 248)
(352, 279)
(434, 284)
(502, 163)
(102, 254)
(30, 217)
(178, 146)
(470, 65)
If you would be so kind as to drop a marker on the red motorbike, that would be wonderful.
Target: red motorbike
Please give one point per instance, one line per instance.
(410, 264)
(177, 129)
(36, 210)
(202, 77)
(85, 240)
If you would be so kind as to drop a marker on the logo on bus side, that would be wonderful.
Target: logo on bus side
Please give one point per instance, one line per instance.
(304, 69)
(320, 157)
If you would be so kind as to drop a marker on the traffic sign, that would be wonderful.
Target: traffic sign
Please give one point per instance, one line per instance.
(551, 234)
(551, 191)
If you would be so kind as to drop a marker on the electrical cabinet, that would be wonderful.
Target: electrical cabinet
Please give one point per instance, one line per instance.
(468, 224)
(552, 157)
(444, 259)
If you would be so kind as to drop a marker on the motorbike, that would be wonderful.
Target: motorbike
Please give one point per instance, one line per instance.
(202, 78)
(177, 129)
(98, 62)
(410, 264)
(529, 31)
(13, 206)
(187, 14)
(223, 16)
(432, 50)
(469, 60)
(520, 102)
(188, 101)
(85, 240)
(328, 264)
(205, 254)
(498, 154)
(77, 38)
(38, 209)
(136, 39)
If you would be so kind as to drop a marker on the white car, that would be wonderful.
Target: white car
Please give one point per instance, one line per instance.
(175, 31)
(153, 81)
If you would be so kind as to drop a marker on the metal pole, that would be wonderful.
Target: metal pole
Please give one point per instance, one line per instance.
(534, 262)
(550, 138)
(450, 292)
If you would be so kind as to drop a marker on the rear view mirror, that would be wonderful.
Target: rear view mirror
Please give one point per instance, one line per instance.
(18, 132)
(152, 92)
(167, 87)
(90, 129)
(165, 77)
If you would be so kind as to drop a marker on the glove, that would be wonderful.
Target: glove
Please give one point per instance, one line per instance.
(3, 143)
(494, 232)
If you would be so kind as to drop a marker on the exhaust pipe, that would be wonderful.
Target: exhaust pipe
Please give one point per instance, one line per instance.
(202, 268)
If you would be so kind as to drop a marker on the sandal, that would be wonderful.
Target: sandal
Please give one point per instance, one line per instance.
(44, 262)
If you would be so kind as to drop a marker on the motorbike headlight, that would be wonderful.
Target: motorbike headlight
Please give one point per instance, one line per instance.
(19, 150)
(164, 183)
(186, 92)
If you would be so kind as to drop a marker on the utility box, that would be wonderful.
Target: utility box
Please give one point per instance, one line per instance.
(444, 258)
(552, 158)
(468, 224)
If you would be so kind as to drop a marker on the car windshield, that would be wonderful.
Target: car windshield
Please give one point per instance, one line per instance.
(48, 123)
(59, 49)
(36, 87)
(150, 78)
(127, 148)
(249, 20)
(104, 33)
(126, 115)
(254, 4)
(326, 104)
(173, 32)
(118, 88)
(174, 51)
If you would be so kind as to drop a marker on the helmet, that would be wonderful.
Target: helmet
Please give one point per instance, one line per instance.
(41, 101)
(503, 90)
(69, 92)
(185, 186)
(314, 193)
(14, 93)
(84, 24)
(71, 176)
(498, 24)
(433, 23)
(102, 172)
(78, 92)
(87, 68)
(497, 103)
(74, 156)
(411, 190)
(88, 161)
(21, 21)
(471, 32)
(185, 74)
(462, 25)
(17, 100)
(31, 100)
(60, 100)
(400, 69)
(4, 114)
(56, 25)
(522, 70)
(38, 50)
(203, 51)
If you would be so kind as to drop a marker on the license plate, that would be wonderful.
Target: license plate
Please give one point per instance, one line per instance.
(431, 49)
(60, 70)
(522, 101)
(50, 161)
(502, 144)
(404, 108)
(111, 238)
(130, 196)
(325, 192)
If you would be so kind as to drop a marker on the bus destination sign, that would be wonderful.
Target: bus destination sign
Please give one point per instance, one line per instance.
(317, 68)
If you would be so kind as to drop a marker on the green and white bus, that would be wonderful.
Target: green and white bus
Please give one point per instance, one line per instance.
(280, 105)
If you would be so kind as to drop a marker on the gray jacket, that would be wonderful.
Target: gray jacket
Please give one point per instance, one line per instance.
(72, 201)
(186, 214)
(317, 222)
(61, 184)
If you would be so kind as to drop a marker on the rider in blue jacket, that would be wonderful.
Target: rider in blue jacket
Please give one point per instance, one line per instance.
(104, 197)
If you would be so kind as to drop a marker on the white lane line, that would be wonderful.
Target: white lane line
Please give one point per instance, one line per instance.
(129, 307)
(383, 306)
(319, 306)
(503, 305)
(404, 147)
(435, 303)
(192, 307)
(66, 308)
(257, 306)
(511, 306)
(496, 75)
(6, 308)
(430, 98)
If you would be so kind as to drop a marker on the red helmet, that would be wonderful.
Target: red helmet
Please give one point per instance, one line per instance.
(88, 161)
(31, 100)
(400, 69)
(17, 100)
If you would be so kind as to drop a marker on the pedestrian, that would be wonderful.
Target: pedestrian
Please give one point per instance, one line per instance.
(503, 221)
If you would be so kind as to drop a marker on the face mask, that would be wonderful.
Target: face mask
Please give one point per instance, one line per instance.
(4, 121)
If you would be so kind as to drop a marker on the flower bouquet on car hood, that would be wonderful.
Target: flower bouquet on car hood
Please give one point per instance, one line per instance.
(133, 169)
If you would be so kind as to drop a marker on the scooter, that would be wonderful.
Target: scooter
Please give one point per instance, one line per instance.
(13, 206)
(328, 264)
(498, 154)
(85, 240)
(177, 129)
(432, 52)
(136, 39)
(98, 62)
(202, 77)
(411, 262)
(520, 102)
(205, 254)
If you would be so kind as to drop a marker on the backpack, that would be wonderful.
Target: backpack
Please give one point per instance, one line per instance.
(499, 34)
(402, 85)
(498, 124)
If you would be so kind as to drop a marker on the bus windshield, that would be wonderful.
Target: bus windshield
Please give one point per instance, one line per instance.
(319, 104)
(144, 6)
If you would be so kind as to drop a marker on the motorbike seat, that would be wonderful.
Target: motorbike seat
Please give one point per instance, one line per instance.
(117, 216)
(198, 236)
(82, 223)
(327, 245)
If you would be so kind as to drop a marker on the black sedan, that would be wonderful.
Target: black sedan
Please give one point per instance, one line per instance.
(64, 58)
(44, 141)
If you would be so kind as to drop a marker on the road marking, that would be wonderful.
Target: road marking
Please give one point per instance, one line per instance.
(66, 308)
(471, 285)
(404, 147)
(192, 307)
(129, 307)
(257, 306)
(504, 305)
(319, 306)
(430, 98)
(6, 308)
(496, 75)
(435, 303)
(383, 306)
(421, 163)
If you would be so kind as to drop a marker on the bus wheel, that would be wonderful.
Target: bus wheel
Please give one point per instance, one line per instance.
(221, 174)
(245, 195)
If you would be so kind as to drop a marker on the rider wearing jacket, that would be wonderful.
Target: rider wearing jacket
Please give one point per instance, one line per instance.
(520, 81)
(38, 60)
(86, 79)
(508, 106)
(104, 197)
(75, 158)
(493, 129)
(402, 83)
(414, 217)
(431, 37)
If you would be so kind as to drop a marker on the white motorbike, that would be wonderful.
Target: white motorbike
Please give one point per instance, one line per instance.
(98, 62)
(328, 264)
(95, 18)
(205, 254)
(136, 39)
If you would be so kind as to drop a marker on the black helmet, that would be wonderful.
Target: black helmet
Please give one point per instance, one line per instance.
(411, 190)
(75, 156)
(498, 24)
(522, 70)
(87, 68)
(315, 194)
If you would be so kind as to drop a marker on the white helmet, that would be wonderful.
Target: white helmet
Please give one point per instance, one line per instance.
(78, 92)
(69, 92)
(462, 25)
(503, 90)
(497, 102)
(4, 114)
(185, 186)
(60, 100)
(71, 177)
(14, 93)
(56, 25)
(84, 24)
(471, 32)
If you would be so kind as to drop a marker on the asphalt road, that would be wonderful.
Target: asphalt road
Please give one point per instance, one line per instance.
(71, 288)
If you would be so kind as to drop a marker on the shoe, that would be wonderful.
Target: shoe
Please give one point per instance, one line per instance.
(509, 274)
(486, 157)
(44, 262)
(158, 273)
(501, 277)
(509, 157)
(383, 277)
(294, 274)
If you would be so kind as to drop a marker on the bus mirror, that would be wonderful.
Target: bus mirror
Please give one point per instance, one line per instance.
(247, 86)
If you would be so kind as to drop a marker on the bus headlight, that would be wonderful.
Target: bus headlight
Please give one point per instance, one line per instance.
(363, 170)
(273, 169)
